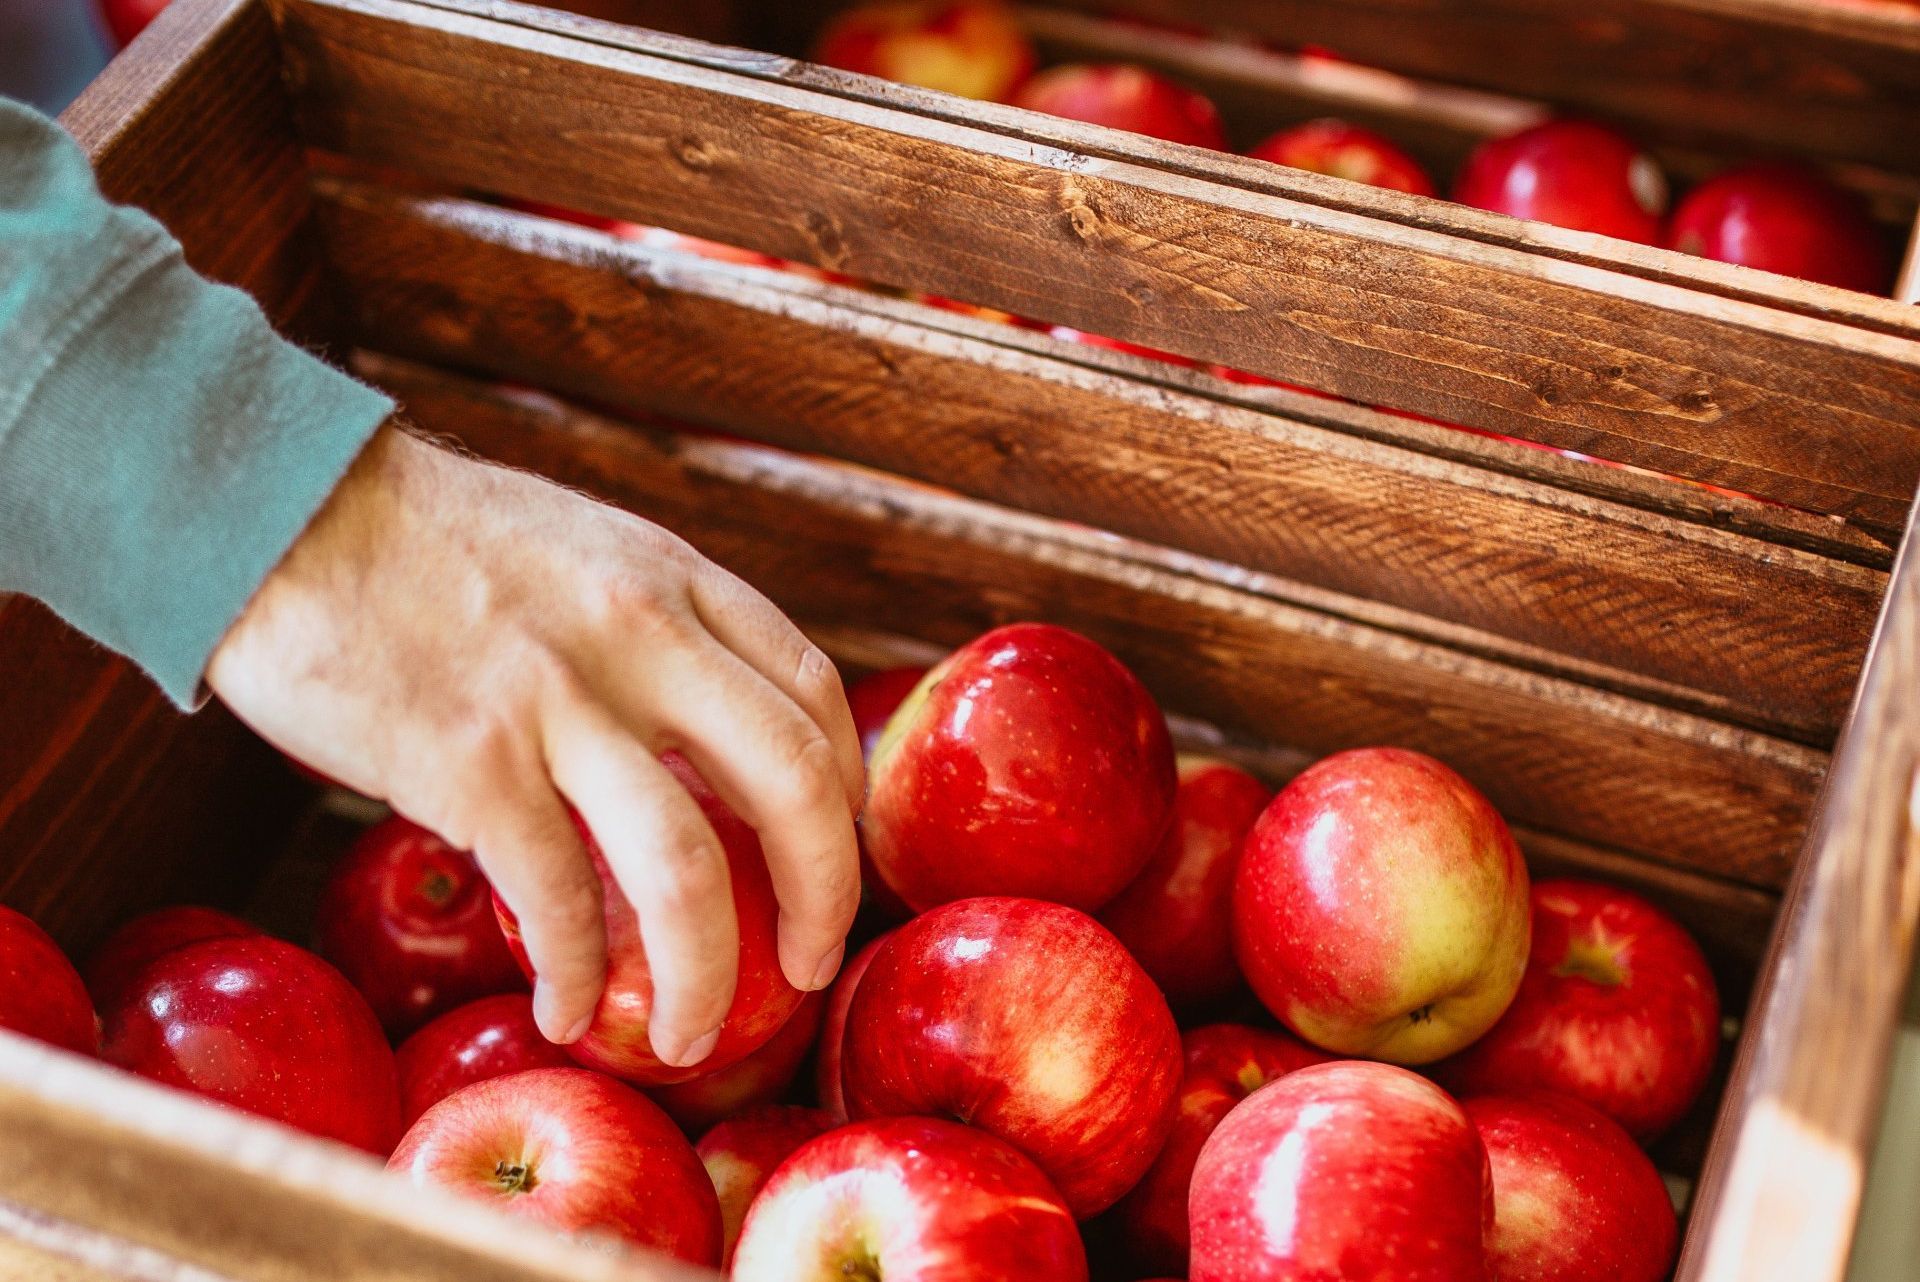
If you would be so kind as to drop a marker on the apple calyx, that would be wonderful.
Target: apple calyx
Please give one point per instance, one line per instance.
(437, 887)
(1594, 960)
(861, 1266)
(514, 1177)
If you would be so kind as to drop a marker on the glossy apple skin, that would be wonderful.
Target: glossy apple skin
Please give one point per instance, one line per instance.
(873, 700)
(761, 1078)
(1786, 219)
(263, 1026)
(1122, 96)
(1025, 1019)
(742, 1153)
(1618, 1009)
(1347, 151)
(489, 1038)
(128, 949)
(909, 1199)
(409, 920)
(41, 994)
(1571, 173)
(576, 1151)
(833, 1030)
(1574, 1198)
(1352, 1170)
(1030, 763)
(1225, 1063)
(128, 18)
(1177, 916)
(617, 1040)
(1380, 908)
(972, 48)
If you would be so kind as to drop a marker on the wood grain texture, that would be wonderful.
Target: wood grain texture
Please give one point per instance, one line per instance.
(1781, 1194)
(1810, 412)
(1561, 582)
(904, 557)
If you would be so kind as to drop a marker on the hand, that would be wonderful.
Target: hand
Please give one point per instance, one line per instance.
(481, 648)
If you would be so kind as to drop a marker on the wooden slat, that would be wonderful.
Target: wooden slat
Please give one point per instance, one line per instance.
(903, 557)
(1782, 1191)
(1520, 570)
(1809, 412)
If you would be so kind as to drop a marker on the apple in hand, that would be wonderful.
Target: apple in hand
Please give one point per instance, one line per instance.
(1347, 151)
(260, 1025)
(760, 1078)
(1617, 1009)
(908, 1199)
(489, 1038)
(1572, 173)
(1786, 219)
(575, 1151)
(617, 1040)
(1349, 1170)
(410, 921)
(1025, 1019)
(741, 1153)
(1123, 96)
(1225, 1063)
(1028, 762)
(128, 949)
(41, 994)
(973, 48)
(833, 1030)
(1177, 916)
(1380, 908)
(1573, 1197)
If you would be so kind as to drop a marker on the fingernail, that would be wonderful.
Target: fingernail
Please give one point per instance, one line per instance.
(578, 1030)
(697, 1051)
(828, 968)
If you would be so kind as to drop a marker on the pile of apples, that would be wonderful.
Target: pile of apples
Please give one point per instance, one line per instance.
(1110, 996)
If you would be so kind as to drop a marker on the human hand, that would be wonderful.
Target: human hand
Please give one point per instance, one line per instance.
(482, 649)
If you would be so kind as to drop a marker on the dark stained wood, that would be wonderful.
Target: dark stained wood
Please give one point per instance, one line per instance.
(703, 19)
(1514, 569)
(903, 557)
(1788, 407)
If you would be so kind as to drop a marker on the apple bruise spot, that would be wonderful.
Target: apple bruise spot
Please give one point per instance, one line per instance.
(514, 1177)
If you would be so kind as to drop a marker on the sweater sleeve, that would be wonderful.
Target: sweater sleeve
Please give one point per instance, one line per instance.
(160, 446)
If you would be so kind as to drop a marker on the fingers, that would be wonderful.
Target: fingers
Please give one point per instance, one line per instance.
(538, 864)
(665, 857)
(750, 626)
(772, 764)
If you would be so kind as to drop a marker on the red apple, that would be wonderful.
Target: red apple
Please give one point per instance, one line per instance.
(258, 1024)
(1573, 1197)
(1346, 151)
(492, 1037)
(1617, 1009)
(760, 1078)
(1177, 916)
(410, 921)
(1067, 334)
(1225, 1064)
(1343, 1171)
(128, 949)
(575, 1151)
(617, 1040)
(41, 994)
(873, 700)
(743, 1152)
(973, 48)
(909, 1199)
(1786, 219)
(1123, 96)
(128, 18)
(578, 217)
(1571, 173)
(833, 1030)
(1380, 908)
(1028, 1020)
(1029, 762)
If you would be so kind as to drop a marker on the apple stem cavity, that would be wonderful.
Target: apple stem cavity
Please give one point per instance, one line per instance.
(861, 1266)
(1593, 960)
(514, 1177)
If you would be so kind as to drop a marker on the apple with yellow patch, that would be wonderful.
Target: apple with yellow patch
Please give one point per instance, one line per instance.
(1380, 909)
(742, 1153)
(973, 48)
(1026, 1019)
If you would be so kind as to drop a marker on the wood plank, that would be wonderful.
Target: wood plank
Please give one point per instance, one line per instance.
(1811, 413)
(1518, 570)
(1782, 1190)
(149, 1183)
(903, 557)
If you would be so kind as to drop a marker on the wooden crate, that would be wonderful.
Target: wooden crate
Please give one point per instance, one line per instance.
(1700, 694)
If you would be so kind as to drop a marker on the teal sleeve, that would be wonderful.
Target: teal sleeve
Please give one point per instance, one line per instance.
(160, 446)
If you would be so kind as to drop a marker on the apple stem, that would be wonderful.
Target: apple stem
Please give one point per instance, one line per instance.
(514, 1177)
